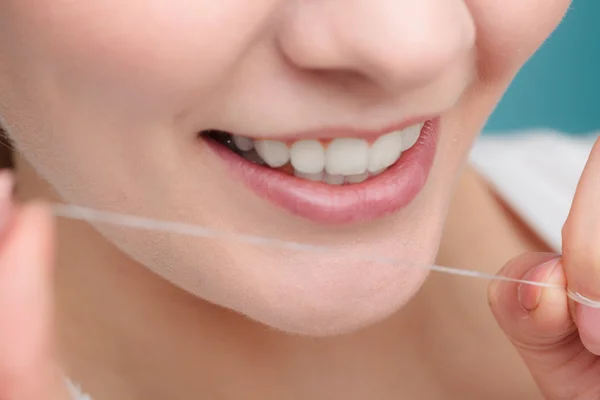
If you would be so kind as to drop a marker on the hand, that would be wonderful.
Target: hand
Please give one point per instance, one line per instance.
(559, 339)
(28, 370)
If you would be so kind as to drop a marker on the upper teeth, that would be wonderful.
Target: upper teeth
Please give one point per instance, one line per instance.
(243, 143)
(273, 152)
(343, 157)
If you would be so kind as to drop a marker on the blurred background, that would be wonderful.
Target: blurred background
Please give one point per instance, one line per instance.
(559, 87)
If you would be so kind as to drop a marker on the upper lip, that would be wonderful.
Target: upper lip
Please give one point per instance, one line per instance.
(333, 132)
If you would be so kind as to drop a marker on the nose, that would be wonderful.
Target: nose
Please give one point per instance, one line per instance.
(398, 43)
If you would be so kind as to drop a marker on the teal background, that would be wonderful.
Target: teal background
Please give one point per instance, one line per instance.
(559, 87)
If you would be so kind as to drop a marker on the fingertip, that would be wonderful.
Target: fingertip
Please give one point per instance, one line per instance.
(25, 297)
(553, 315)
(506, 296)
(530, 295)
(531, 313)
(33, 229)
(588, 322)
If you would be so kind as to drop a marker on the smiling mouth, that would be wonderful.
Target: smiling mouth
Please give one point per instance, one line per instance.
(331, 177)
(339, 161)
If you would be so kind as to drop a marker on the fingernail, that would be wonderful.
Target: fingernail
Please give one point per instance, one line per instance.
(530, 295)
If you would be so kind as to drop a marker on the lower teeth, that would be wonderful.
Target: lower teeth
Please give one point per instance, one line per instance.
(252, 156)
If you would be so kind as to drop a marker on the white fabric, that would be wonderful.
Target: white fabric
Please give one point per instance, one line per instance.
(75, 392)
(536, 172)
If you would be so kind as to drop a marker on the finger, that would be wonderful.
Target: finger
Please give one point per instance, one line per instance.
(581, 249)
(581, 232)
(27, 369)
(538, 322)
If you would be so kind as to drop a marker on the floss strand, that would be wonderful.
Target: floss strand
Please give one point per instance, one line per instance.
(76, 212)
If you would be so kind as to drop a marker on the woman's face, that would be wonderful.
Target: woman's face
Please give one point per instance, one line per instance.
(109, 101)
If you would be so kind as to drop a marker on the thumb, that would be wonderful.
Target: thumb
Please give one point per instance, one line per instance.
(539, 324)
(27, 367)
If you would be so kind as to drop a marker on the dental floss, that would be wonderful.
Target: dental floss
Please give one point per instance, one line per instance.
(581, 299)
(92, 215)
(76, 212)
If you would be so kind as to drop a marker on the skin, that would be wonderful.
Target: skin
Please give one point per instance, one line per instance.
(103, 102)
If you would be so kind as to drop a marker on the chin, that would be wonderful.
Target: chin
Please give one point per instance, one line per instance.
(330, 318)
(325, 297)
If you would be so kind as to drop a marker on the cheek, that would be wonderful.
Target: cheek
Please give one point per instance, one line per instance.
(144, 62)
(159, 52)
(510, 31)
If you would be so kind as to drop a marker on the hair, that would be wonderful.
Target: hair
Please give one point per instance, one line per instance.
(6, 151)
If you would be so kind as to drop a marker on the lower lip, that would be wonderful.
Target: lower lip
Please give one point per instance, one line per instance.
(374, 198)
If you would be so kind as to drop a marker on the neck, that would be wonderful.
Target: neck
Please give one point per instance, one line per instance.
(126, 333)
